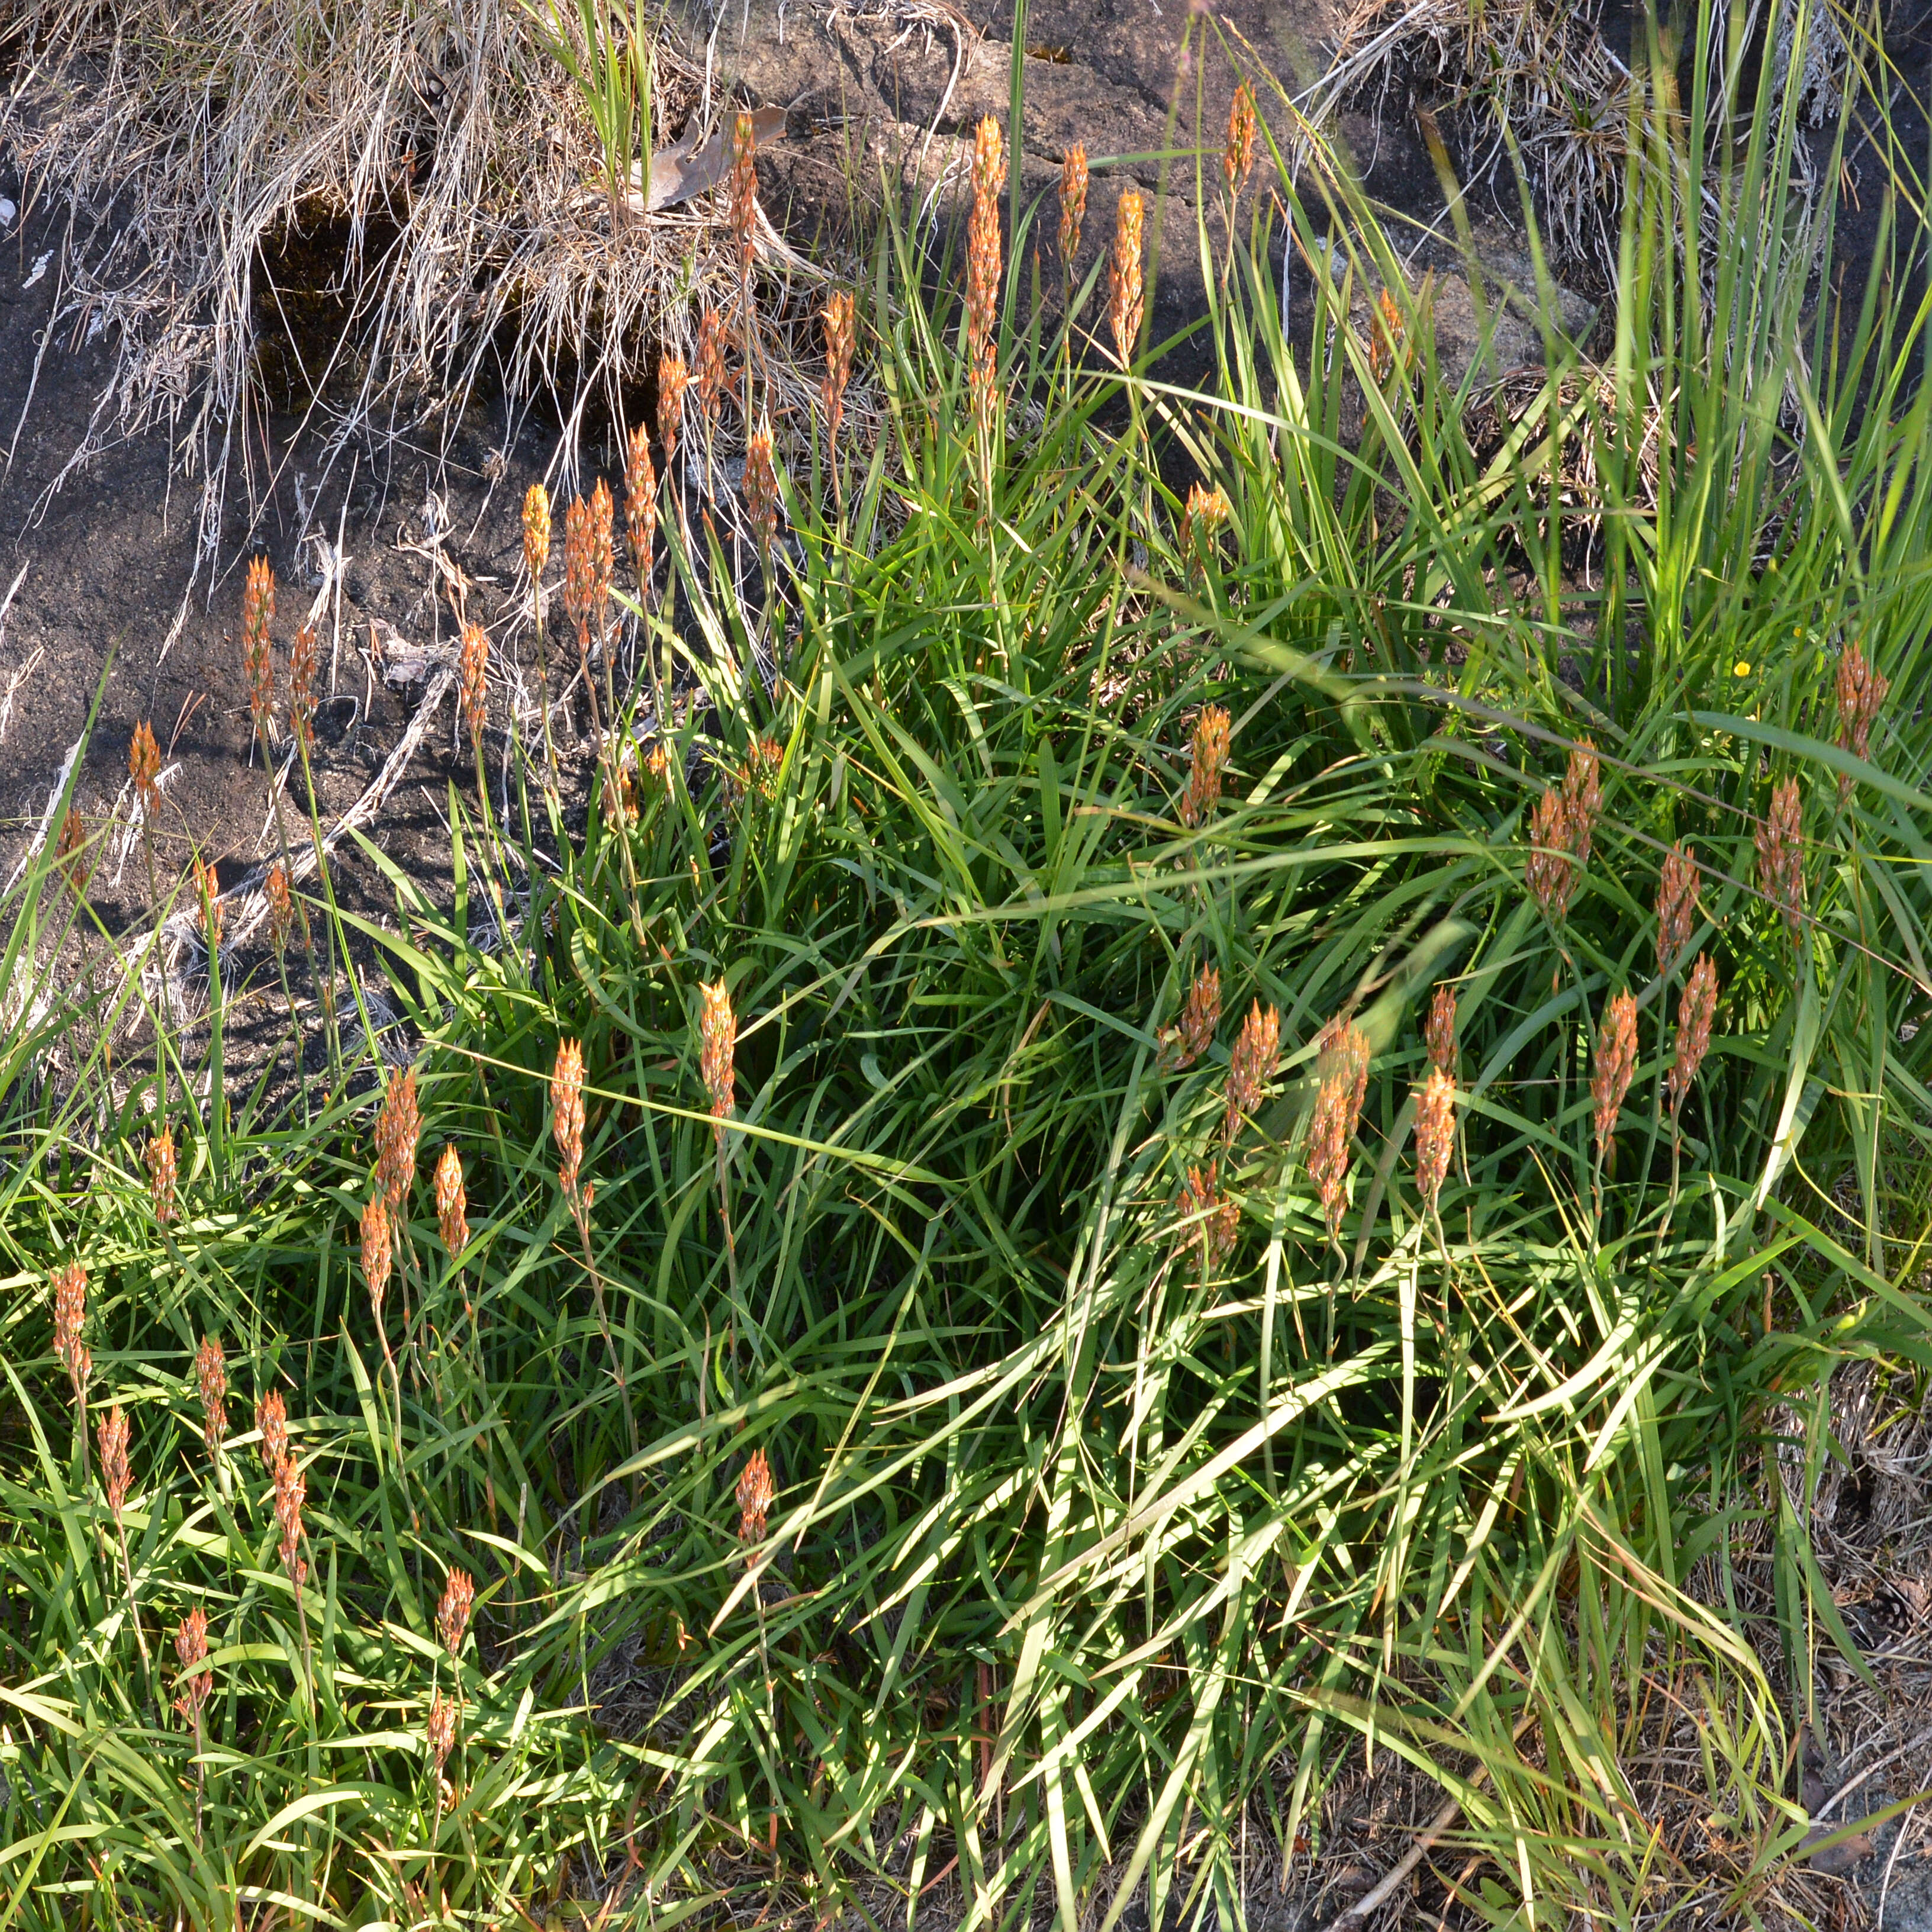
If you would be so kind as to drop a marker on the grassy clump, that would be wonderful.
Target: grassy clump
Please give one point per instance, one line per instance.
(946, 1418)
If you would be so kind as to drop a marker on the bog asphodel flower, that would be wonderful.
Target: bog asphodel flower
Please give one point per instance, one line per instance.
(211, 1376)
(398, 1127)
(1343, 1080)
(640, 506)
(1216, 1216)
(258, 673)
(1181, 1046)
(1208, 758)
(1435, 1133)
(672, 380)
(836, 318)
(756, 1494)
(1439, 1031)
(1073, 203)
(1677, 889)
(452, 1614)
(566, 1114)
(718, 1040)
(475, 668)
(452, 1202)
(1238, 155)
(1615, 1068)
(377, 1256)
(70, 1286)
(1125, 294)
(536, 530)
(159, 1159)
(144, 766)
(1779, 841)
(272, 1418)
(1251, 1066)
(1696, 1009)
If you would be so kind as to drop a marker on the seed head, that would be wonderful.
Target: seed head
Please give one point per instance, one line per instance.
(211, 1376)
(1439, 1031)
(476, 666)
(377, 1247)
(159, 1158)
(291, 1492)
(272, 1418)
(1385, 332)
(1583, 800)
(114, 1473)
(536, 530)
(756, 1495)
(580, 579)
(71, 855)
(1861, 691)
(566, 1113)
(398, 1126)
(208, 889)
(1182, 1046)
(1217, 1217)
(1209, 759)
(281, 912)
(657, 767)
(1550, 871)
(439, 1729)
(1616, 1067)
(603, 557)
(1343, 1076)
(1124, 291)
(192, 1681)
(301, 688)
(745, 189)
(1677, 891)
(761, 492)
(1237, 157)
(836, 317)
(258, 670)
(640, 506)
(1696, 1008)
(1073, 203)
(452, 1204)
(144, 767)
(1251, 1066)
(718, 1034)
(452, 1614)
(1202, 522)
(672, 380)
(1779, 840)
(1435, 1133)
(713, 385)
(982, 268)
(70, 1286)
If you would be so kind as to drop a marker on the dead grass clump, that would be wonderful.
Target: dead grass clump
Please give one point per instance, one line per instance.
(192, 137)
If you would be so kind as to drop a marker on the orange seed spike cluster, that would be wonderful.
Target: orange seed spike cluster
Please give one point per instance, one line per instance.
(1677, 889)
(836, 317)
(756, 1494)
(452, 1614)
(208, 889)
(193, 1682)
(291, 1492)
(1550, 871)
(70, 1287)
(1615, 1068)
(452, 1203)
(210, 1376)
(1696, 1009)
(566, 1114)
(983, 269)
(640, 506)
(580, 579)
(1861, 691)
(115, 1476)
(1202, 520)
(71, 855)
(376, 1246)
(1209, 759)
(144, 767)
(1779, 841)
(718, 1033)
(713, 384)
(301, 688)
(398, 1127)
(1582, 798)
(1073, 202)
(1217, 1216)
(1182, 1045)
(1251, 1066)
(281, 909)
(475, 668)
(536, 531)
(672, 380)
(745, 189)
(1238, 156)
(1125, 294)
(1435, 1133)
(258, 671)
(761, 492)
(271, 1419)
(1342, 1082)
(1439, 1031)
(159, 1159)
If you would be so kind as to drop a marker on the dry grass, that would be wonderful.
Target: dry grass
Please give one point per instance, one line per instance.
(447, 151)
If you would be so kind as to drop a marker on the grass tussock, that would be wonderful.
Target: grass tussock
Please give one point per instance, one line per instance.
(1007, 1278)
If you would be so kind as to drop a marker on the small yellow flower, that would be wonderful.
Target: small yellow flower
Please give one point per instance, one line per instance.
(1742, 668)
